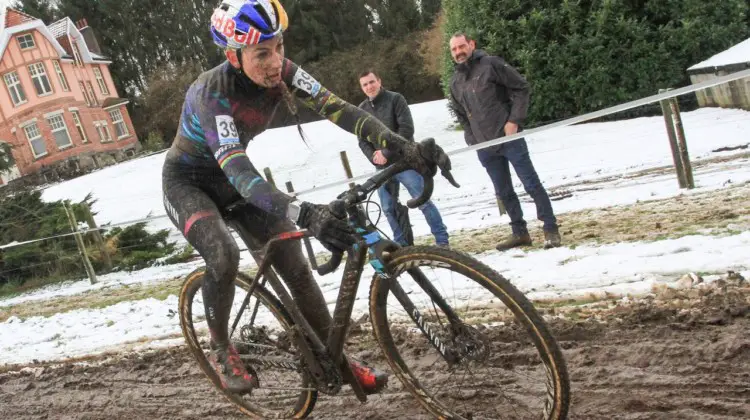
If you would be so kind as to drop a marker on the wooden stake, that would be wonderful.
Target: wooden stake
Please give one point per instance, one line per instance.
(347, 167)
(500, 206)
(269, 176)
(687, 167)
(667, 111)
(79, 241)
(97, 236)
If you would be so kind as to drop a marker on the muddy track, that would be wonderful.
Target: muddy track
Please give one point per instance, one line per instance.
(681, 354)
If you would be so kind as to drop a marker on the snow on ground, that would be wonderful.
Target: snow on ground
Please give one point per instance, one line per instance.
(562, 156)
(478, 214)
(561, 272)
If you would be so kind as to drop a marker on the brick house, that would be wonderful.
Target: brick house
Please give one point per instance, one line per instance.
(59, 110)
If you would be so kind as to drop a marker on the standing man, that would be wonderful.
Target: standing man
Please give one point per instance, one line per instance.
(391, 109)
(490, 99)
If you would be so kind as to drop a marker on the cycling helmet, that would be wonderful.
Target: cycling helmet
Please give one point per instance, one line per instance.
(239, 23)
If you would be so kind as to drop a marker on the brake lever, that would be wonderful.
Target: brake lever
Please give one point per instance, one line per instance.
(327, 267)
(449, 176)
(429, 186)
(332, 264)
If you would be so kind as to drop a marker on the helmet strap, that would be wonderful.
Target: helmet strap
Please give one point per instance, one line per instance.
(239, 58)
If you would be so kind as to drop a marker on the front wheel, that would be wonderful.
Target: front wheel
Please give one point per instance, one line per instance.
(492, 358)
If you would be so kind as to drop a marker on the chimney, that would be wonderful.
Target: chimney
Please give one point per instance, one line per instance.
(88, 36)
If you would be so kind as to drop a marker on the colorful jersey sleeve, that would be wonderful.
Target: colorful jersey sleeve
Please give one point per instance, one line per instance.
(347, 116)
(222, 138)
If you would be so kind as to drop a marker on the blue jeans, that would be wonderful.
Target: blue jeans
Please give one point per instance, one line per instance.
(495, 160)
(414, 184)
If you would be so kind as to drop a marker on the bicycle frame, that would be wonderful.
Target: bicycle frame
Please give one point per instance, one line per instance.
(326, 361)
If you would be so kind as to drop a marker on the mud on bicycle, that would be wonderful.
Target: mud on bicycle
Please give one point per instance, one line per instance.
(482, 352)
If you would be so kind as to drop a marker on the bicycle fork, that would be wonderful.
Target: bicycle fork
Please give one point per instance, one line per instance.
(450, 353)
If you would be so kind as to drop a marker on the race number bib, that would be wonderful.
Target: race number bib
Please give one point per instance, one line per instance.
(226, 130)
(302, 80)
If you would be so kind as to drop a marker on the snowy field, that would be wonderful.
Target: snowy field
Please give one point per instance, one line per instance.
(562, 156)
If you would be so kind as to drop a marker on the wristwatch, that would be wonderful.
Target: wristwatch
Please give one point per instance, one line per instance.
(292, 212)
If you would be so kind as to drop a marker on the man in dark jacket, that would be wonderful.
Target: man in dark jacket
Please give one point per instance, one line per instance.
(490, 99)
(391, 108)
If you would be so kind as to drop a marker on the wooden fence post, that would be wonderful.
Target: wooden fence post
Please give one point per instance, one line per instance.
(269, 176)
(97, 236)
(667, 111)
(500, 205)
(687, 167)
(347, 167)
(81, 247)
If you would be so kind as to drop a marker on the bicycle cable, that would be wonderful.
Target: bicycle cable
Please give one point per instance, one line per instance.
(380, 213)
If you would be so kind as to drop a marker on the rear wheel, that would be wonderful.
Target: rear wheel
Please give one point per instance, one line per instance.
(497, 361)
(263, 340)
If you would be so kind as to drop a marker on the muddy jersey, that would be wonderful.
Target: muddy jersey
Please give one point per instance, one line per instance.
(224, 110)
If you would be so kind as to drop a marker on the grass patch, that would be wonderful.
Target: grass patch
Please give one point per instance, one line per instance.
(92, 300)
(718, 213)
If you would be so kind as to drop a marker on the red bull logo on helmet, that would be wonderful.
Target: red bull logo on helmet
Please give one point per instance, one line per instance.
(224, 23)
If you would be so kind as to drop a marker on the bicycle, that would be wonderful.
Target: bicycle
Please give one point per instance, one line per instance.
(311, 366)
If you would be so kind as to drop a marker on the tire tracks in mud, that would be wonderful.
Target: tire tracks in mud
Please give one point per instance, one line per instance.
(675, 356)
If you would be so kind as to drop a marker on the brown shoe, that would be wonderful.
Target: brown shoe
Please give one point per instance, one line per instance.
(516, 240)
(551, 239)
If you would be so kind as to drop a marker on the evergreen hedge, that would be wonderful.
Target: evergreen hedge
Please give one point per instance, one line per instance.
(581, 56)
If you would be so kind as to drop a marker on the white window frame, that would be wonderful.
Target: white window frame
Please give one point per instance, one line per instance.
(13, 82)
(82, 86)
(24, 38)
(77, 54)
(61, 75)
(103, 130)
(57, 124)
(100, 81)
(79, 125)
(119, 123)
(90, 90)
(38, 71)
(26, 128)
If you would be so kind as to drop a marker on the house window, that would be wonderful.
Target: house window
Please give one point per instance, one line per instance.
(120, 128)
(35, 140)
(41, 81)
(61, 75)
(59, 131)
(85, 95)
(103, 131)
(17, 95)
(26, 41)
(79, 127)
(90, 90)
(77, 55)
(100, 80)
